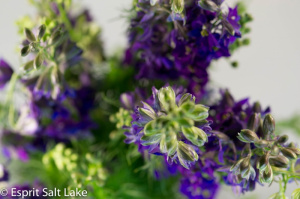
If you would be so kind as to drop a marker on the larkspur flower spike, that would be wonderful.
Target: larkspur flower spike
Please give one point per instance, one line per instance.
(175, 127)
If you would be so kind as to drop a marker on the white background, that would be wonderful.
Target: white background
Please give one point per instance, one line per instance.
(269, 68)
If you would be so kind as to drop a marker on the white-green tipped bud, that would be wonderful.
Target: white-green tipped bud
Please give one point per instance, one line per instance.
(228, 27)
(166, 97)
(197, 136)
(247, 136)
(25, 50)
(209, 5)
(38, 61)
(279, 161)
(267, 175)
(269, 125)
(288, 153)
(151, 128)
(29, 35)
(275, 150)
(169, 144)
(186, 98)
(186, 154)
(295, 150)
(147, 112)
(151, 139)
(199, 113)
(177, 6)
(42, 30)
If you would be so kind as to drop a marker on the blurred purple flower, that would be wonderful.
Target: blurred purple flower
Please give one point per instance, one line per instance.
(5, 73)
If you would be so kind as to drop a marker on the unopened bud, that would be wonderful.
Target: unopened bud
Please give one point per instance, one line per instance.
(228, 27)
(209, 5)
(268, 175)
(261, 143)
(279, 161)
(177, 6)
(275, 150)
(254, 121)
(38, 61)
(295, 150)
(283, 139)
(262, 162)
(288, 153)
(269, 125)
(186, 98)
(247, 136)
(166, 97)
(256, 107)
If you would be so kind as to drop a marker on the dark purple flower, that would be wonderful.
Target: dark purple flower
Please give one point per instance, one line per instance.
(5, 73)
(164, 49)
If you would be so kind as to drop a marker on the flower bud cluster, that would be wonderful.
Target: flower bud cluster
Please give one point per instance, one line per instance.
(270, 152)
(176, 125)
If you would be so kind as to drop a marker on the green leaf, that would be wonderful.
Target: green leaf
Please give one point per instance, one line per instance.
(25, 50)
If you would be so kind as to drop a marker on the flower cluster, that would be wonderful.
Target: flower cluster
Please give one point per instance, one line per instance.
(173, 125)
(162, 47)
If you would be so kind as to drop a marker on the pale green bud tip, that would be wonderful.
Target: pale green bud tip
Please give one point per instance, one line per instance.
(166, 97)
(279, 161)
(178, 6)
(288, 153)
(247, 136)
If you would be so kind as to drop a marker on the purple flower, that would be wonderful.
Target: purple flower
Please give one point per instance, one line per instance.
(164, 49)
(5, 73)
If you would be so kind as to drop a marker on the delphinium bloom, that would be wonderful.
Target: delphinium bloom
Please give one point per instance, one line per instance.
(171, 124)
(5, 73)
(162, 46)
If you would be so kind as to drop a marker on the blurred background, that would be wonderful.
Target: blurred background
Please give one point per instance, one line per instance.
(268, 71)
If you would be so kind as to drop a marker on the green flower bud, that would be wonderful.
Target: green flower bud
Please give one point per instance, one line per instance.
(186, 154)
(166, 97)
(209, 5)
(257, 107)
(267, 175)
(177, 6)
(29, 35)
(197, 136)
(261, 143)
(56, 38)
(283, 139)
(169, 144)
(38, 61)
(148, 113)
(262, 162)
(295, 150)
(269, 125)
(25, 50)
(279, 161)
(199, 113)
(275, 150)
(236, 166)
(228, 27)
(151, 139)
(288, 153)
(186, 98)
(247, 136)
(151, 128)
(42, 30)
(253, 122)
